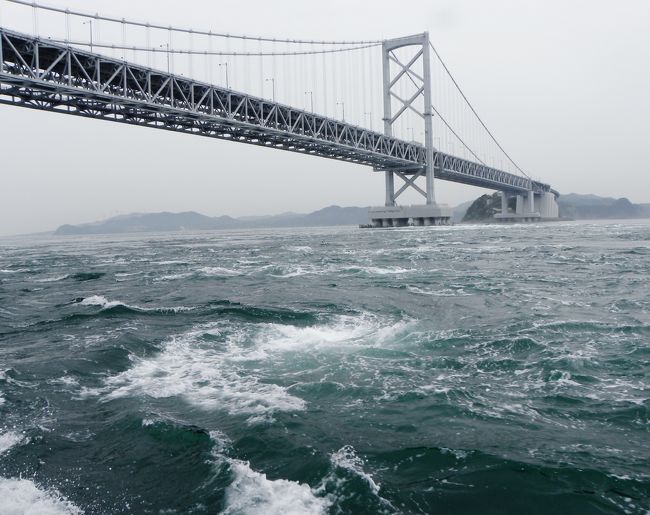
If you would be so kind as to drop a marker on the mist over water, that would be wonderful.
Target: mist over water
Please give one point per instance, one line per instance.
(468, 369)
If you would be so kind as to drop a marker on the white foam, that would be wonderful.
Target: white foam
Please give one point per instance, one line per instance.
(251, 493)
(127, 274)
(104, 303)
(206, 378)
(297, 271)
(347, 331)
(376, 270)
(98, 300)
(52, 279)
(69, 380)
(173, 277)
(10, 439)
(23, 497)
(347, 458)
(445, 292)
(218, 271)
(216, 373)
(306, 249)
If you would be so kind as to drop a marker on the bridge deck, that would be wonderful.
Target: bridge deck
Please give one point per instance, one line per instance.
(46, 75)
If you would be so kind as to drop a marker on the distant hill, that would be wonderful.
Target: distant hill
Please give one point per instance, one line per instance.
(583, 207)
(192, 221)
(482, 209)
(151, 222)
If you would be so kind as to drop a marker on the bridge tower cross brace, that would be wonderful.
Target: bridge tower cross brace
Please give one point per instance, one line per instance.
(421, 79)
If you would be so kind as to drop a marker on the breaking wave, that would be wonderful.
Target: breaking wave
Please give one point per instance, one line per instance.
(23, 497)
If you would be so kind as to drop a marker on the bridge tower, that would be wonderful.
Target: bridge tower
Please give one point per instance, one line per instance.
(413, 67)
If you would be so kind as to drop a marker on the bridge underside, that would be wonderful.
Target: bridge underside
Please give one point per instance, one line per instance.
(69, 101)
(44, 75)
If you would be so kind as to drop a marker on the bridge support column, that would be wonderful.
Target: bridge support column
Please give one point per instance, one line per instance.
(519, 207)
(431, 199)
(504, 203)
(428, 118)
(548, 208)
(390, 188)
(530, 207)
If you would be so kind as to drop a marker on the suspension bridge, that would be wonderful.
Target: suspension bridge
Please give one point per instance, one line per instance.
(320, 98)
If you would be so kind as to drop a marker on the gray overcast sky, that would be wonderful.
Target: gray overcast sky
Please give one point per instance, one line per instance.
(564, 84)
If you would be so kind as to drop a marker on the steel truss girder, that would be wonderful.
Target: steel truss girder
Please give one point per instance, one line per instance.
(83, 81)
(40, 74)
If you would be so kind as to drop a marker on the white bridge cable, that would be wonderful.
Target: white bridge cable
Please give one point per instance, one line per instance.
(186, 30)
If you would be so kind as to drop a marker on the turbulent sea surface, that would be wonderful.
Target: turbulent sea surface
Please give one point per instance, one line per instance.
(468, 369)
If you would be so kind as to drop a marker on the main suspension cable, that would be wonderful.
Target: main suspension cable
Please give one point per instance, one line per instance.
(189, 31)
(209, 52)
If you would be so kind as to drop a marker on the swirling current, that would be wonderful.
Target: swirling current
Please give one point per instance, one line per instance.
(464, 369)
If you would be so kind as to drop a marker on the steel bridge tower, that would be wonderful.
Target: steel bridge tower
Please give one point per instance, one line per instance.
(415, 70)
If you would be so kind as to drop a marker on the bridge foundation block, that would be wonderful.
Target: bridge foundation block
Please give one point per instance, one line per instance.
(404, 216)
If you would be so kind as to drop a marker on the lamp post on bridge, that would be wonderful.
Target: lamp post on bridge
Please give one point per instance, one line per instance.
(342, 104)
(90, 23)
(311, 99)
(272, 81)
(225, 65)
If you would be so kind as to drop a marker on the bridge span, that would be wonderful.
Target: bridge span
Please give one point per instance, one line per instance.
(54, 76)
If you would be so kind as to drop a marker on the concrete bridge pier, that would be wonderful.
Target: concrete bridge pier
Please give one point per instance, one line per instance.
(531, 207)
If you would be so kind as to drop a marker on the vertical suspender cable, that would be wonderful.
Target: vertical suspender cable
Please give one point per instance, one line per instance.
(209, 59)
(35, 19)
(324, 84)
(374, 110)
(261, 71)
(246, 64)
(191, 55)
(148, 36)
(67, 25)
(97, 28)
(314, 86)
(273, 70)
(229, 60)
(170, 56)
(123, 39)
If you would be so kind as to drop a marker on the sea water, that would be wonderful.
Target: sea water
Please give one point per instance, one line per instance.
(466, 369)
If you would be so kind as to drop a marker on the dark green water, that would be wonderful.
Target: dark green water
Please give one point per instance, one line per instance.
(497, 369)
